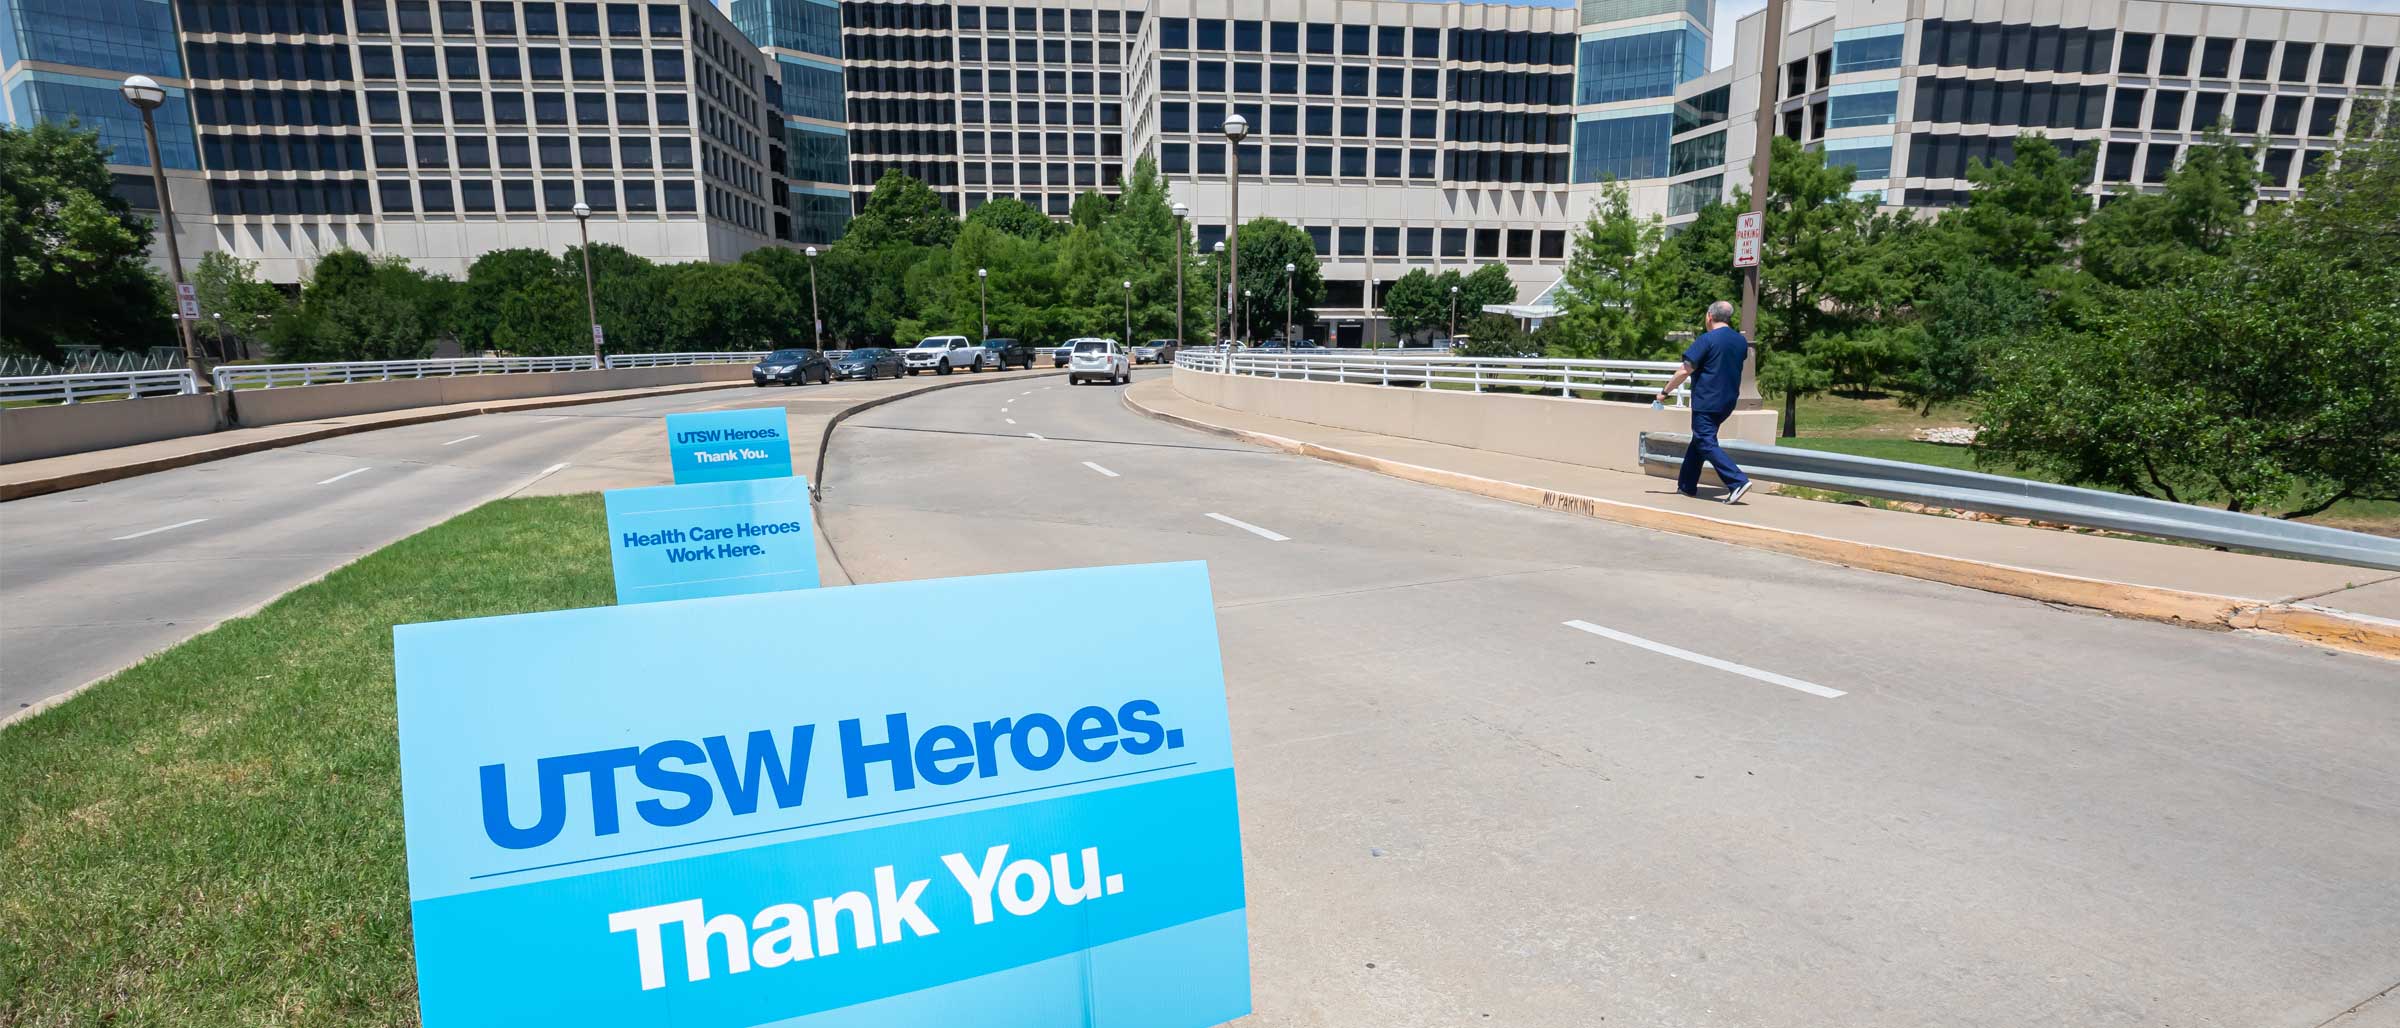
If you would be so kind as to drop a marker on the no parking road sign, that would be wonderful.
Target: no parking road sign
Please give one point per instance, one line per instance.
(1749, 231)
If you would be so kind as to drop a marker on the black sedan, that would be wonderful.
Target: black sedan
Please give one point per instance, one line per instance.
(791, 367)
(1010, 353)
(870, 363)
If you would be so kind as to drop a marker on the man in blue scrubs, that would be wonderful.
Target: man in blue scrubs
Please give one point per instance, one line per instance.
(1714, 364)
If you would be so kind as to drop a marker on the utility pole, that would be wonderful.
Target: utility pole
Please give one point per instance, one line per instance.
(1770, 74)
(1180, 210)
(1454, 315)
(983, 309)
(814, 316)
(145, 94)
(1236, 128)
(1223, 301)
(1288, 269)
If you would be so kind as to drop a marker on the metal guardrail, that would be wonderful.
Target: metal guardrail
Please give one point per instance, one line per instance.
(1634, 380)
(2040, 501)
(87, 360)
(671, 360)
(273, 376)
(65, 389)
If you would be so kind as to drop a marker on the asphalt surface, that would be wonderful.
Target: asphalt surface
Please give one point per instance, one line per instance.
(92, 580)
(1458, 809)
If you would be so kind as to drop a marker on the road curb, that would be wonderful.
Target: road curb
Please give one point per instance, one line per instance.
(22, 489)
(816, 479)
(2333, 629)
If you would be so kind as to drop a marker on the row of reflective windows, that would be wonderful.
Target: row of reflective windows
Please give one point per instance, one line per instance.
(937, 174)
(508, 64)
(803, 27)
(121, 35)
(508, 107)
(973, 80)
(1023, 19)
(507, 17)
(1406, 241)
(2150, 163)
(943, 142)
(2089, 51)
(1078, 176)
(939, 50)
(326, 108)
(282, 17)
(1495, 46)
(1358, 162)
(1289, 120)
(1320, 80)
(529, 196)
(1053, 204)
(2249, 114)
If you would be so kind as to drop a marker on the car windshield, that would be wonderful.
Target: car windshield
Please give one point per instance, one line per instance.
(870, 353)
(998, 344)
(788, 355)
(1091, 346)
(935, 343)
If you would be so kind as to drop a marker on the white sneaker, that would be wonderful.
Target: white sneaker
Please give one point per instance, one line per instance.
(1735, 496)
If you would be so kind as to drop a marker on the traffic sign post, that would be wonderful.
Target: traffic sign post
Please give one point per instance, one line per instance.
(1749, 230)
(187, 302)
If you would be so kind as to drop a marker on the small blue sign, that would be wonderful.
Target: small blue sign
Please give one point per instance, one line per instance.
(729, 445)
(784, 809)
(683, 542)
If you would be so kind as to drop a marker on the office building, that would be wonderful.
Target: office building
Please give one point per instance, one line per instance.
(1909, 93)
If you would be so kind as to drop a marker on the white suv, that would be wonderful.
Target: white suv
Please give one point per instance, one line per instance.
(942, 353)
(1100, 360)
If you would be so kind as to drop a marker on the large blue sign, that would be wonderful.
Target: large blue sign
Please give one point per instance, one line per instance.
(729, 445)
(683, 542)
(784, 809)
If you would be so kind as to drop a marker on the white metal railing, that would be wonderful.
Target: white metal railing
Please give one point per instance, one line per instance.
(85, 360)
(273, 376)
(669, 360)
(1627, 380)
(92, 385)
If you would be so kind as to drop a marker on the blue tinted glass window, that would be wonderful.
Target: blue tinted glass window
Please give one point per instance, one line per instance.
(1621, 148)
(810, 90)
(1864, 103)
(1868, 49)
(95, 105)
(807, 26)
(1639, 65)
(118, 35)
(1687, 197)
(1869, 158)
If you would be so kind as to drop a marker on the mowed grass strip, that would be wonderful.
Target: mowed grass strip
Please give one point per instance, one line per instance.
(213, 837)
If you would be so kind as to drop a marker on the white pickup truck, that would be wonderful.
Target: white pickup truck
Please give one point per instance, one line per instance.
(943, 353)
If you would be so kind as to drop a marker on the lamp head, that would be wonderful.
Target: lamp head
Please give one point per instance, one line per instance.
(811, 251)
(144, 92)
(983, 273)
(583, 210)
(1289, 267)
(1179, 209)
(1129, 283)
(1220, 247)
(1237, 127)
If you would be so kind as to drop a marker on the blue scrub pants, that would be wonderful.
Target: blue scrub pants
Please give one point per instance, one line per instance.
(1704, 448)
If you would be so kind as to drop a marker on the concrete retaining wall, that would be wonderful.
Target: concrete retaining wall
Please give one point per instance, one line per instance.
(1593, 433)
(31, 433)
(258, 408)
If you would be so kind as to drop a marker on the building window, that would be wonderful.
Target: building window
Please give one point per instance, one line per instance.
(1689, 197)
(1862, 103)
(1868, 158)
(1648, 64)
(1625, 147)
(1868, 49)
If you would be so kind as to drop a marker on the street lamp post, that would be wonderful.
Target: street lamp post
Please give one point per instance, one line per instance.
(591, 307)
(1288, 270)
(1180, 210)
(983, 308)
(1454, 315)
(1236, 129)
(1246, 311)
(815, 317)
(145, 94)
(1223, 301)
(1129, 312)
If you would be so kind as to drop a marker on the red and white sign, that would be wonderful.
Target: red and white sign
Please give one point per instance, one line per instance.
(1749, 230)
(187, 301)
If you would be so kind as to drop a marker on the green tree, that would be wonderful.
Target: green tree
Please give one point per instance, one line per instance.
(902, 210)
(2023, 215)
(2136, 240)
(1618, 300)
(1792, 376)
(494, 279)
(1970, 312)
(1487, 286)
(1266, 245)
(1696, 264)
(73, 257)
(1142, 230)
(542, 317)
(236, 309)
(728, 307)
(2265, 376)
(1492, 335)
(1814, 263)
(1417, 301)
(1015, 217)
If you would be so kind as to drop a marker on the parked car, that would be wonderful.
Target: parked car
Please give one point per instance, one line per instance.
(1060, 353)
(1156, 351)
(1099, 360)
(945, 354)
(791, 367)
(1006, 352)
(870, 363)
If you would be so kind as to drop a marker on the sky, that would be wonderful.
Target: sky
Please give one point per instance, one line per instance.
(1729, 11)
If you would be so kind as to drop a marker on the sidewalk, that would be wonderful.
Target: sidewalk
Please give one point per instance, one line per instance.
(76, 470)
(2350, 608)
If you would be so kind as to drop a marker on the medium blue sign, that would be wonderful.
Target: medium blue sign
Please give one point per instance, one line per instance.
(729, 445)
(783, 809)
(683, 542)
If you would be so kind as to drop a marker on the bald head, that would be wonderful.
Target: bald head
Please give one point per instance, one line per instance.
(1720, 313)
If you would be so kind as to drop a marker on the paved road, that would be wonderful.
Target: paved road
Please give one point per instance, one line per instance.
(1460, 810)
(94, 579)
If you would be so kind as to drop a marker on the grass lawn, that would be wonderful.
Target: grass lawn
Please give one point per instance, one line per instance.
(213, 837)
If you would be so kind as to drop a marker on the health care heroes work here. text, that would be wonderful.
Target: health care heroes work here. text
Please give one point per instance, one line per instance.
(690, 543)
